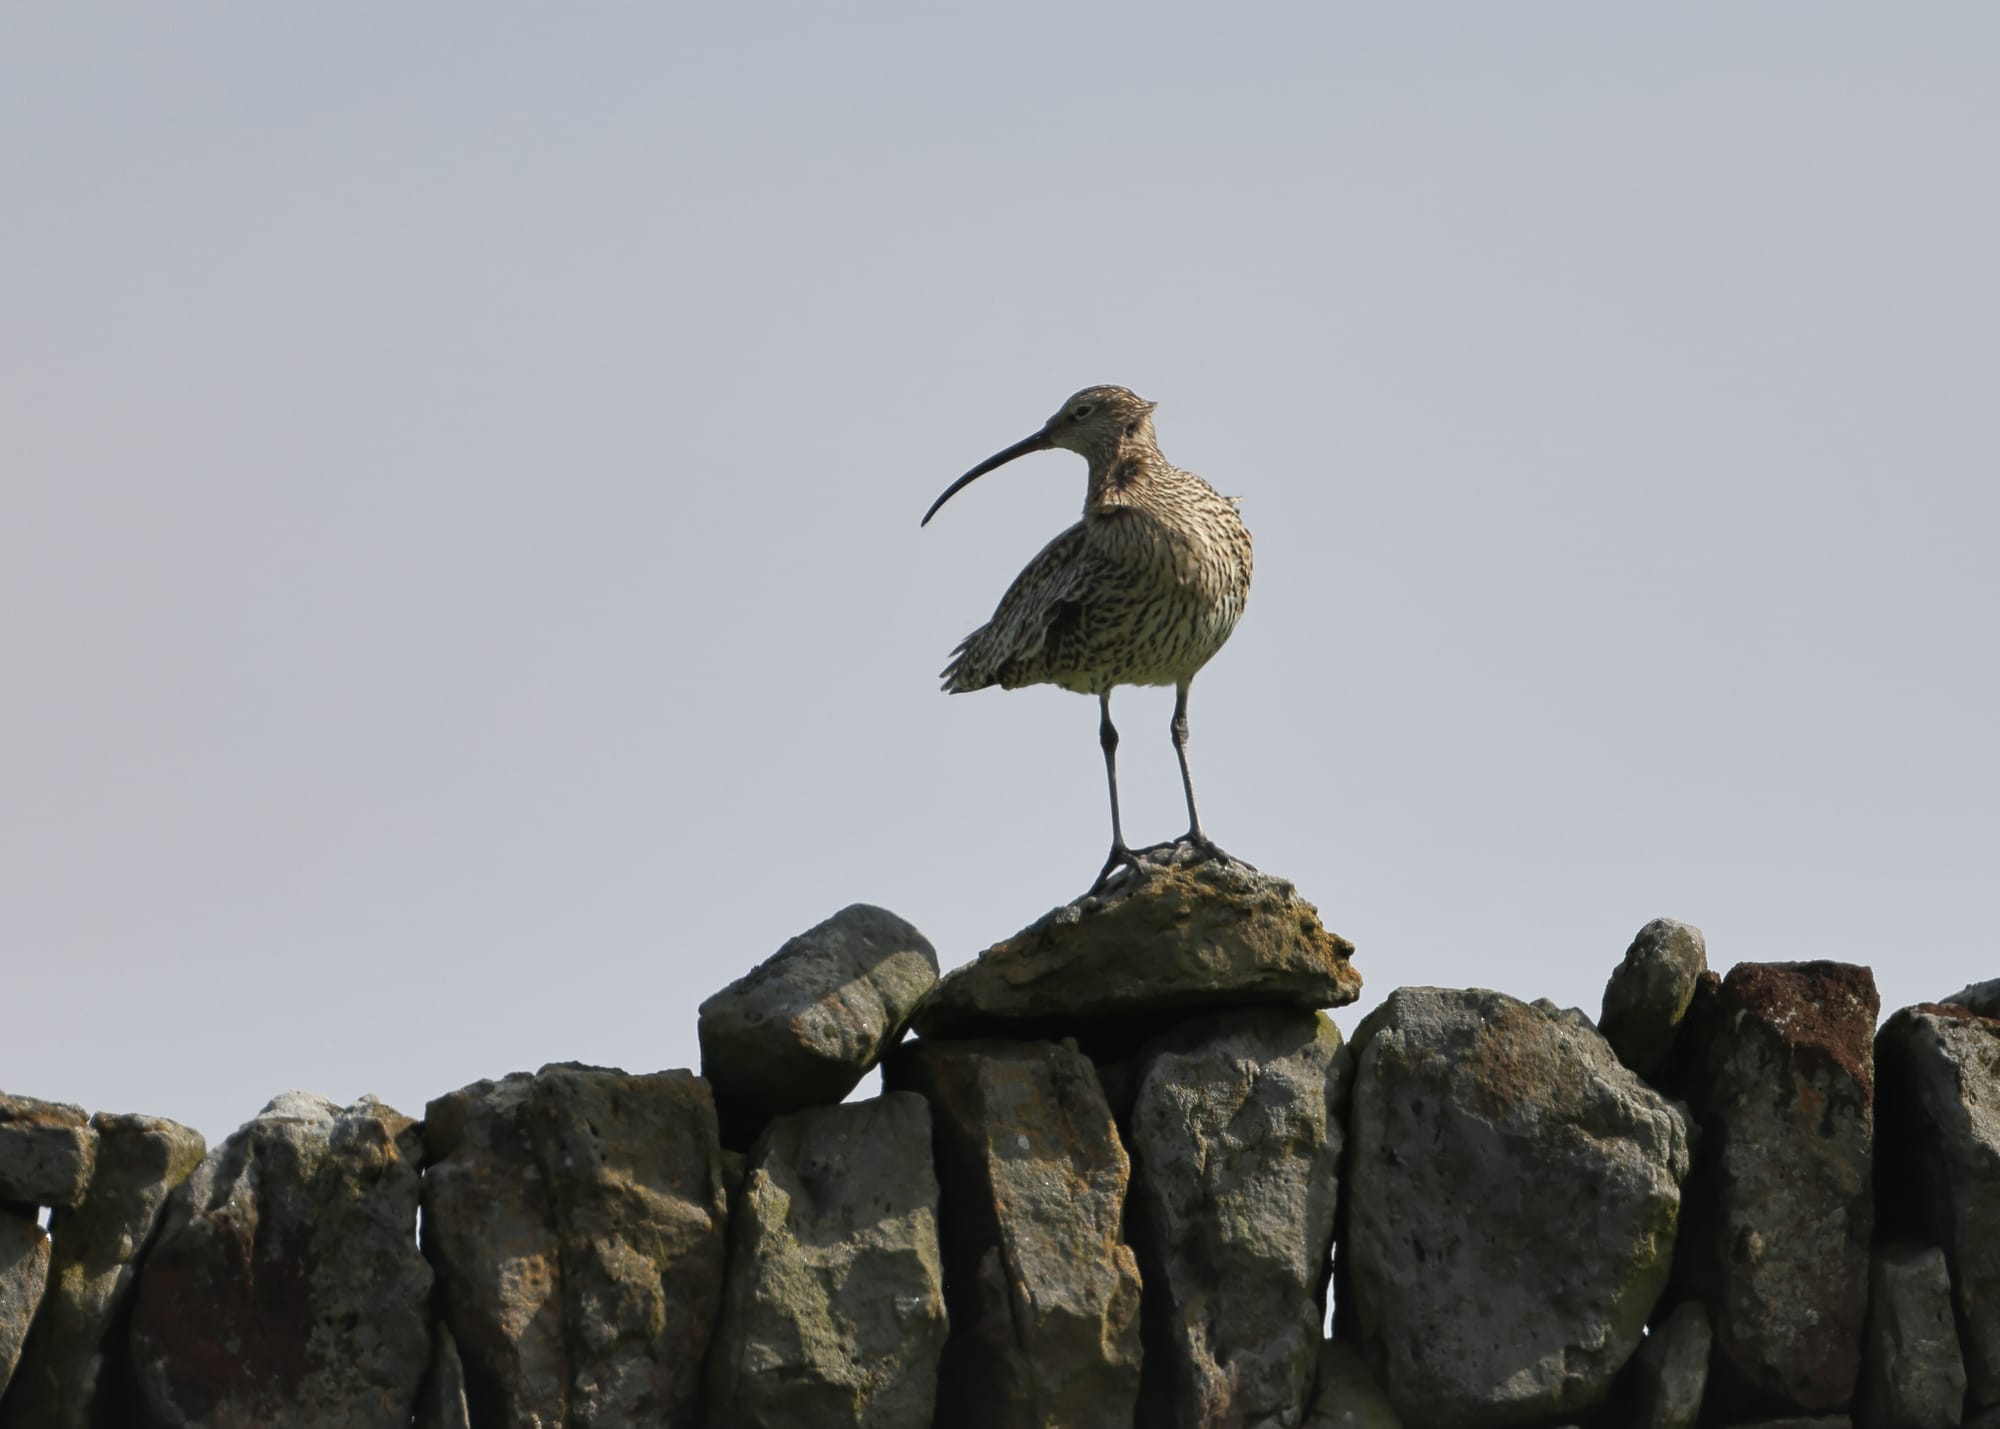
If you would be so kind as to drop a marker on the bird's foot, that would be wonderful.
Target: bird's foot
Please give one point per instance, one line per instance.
(1208, 848)
(1121, 857)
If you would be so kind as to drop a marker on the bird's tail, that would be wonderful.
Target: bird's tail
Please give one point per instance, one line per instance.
(965, 671)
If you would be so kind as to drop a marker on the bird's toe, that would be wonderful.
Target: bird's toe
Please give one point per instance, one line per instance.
(1207, 848)
(1121, 858)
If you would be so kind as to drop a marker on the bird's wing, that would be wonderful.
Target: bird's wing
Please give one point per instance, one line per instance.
(1044, 601)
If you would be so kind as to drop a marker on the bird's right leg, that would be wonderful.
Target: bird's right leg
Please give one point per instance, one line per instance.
(1107, 736)
(1194, 838)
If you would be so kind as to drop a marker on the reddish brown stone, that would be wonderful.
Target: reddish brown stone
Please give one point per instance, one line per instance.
(1780, 1075)
(285, 1289)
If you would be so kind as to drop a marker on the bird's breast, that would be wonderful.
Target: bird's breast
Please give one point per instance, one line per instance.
(1168, 595)
(1207, 558)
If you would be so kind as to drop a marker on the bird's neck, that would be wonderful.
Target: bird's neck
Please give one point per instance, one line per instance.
(1126, 475)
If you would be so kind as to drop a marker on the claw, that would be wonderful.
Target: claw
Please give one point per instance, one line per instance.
(1208, 848)
(1121, 857)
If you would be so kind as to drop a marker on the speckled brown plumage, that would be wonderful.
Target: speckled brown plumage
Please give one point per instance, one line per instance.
(1142, 591)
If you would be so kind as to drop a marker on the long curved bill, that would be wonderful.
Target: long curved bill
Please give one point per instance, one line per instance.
(1038, 442)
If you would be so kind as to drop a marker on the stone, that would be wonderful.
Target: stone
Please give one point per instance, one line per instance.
(633, 1167)
(576, 1219)
(285, 1289)
(833, 1314)
(74, 1373)
(490, 1234)
(47, 1152)
(1940, 1163)
(443, 1403)
(1981, 997)
(1235, 1143)
(1573, 1015)
(1682, 1073)
(1345, 1395)
(24, 1271)
(804, 1026)
(1649, 993)
(1803, 1421)
(1042, 1293)
(1670, 1370)
(1914, 1376)
(1781, 1205)
(1188, 938)
(1512, 1195)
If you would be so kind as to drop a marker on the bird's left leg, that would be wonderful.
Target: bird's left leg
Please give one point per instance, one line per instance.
(1121, 856)
(1194, 836)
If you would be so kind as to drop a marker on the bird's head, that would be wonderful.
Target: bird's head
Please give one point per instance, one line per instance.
(1099, 420)
(1096, 423)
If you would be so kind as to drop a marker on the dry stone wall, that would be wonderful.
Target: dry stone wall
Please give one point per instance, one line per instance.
(1118, 1176)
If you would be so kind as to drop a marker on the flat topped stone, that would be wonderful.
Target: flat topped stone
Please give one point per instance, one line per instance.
(47, 1151)
(1191, 933)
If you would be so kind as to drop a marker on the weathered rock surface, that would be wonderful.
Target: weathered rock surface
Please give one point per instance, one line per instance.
(1042, 1293)
(834, 1310)
(1512, 1194)
(1649, 993)
(1345, 1395)
(1575, 1016)
(47, 1150)
(24, 1271)
(1671, 1369)
(632, 1164)
(1915, 1376)
(443, 1403)
(1981, 997)
(576, 1218)
(1236, 1140)
(72, 1375)
(285, 1288)
(804, 1026)
(1511, 1190)
(1940, 1162)
(1780, 1209)
(490, 1231)
(1189, 936)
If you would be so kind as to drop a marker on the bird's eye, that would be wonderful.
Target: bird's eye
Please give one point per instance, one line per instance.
(1082, 411)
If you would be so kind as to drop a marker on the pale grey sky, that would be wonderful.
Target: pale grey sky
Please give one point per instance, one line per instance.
(460, 587)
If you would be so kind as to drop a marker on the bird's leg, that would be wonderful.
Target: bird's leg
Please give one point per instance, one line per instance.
(1194, 836)
(1107, 735)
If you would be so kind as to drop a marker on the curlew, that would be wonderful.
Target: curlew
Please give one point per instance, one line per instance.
(1142, 591)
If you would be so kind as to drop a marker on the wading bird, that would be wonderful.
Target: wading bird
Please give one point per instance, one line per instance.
(1142, 591)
